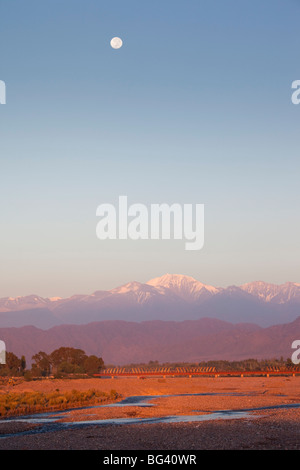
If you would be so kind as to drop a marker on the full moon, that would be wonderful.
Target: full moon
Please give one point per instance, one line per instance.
(116, 43)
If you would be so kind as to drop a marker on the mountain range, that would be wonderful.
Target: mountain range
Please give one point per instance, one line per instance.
(170, 297)
(119, 342)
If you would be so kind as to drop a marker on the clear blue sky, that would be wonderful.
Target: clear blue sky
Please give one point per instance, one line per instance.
(194, 108)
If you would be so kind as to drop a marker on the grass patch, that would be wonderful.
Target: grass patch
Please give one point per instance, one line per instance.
(15, 403)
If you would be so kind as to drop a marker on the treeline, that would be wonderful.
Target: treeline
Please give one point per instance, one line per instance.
(221, 365)
(250, 364)
(67, 361)
(61, 362)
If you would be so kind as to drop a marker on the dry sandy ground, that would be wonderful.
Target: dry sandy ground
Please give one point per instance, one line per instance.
(261, 429)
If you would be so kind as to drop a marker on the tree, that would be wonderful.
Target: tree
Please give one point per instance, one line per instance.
(13, 362)
(93, 364)
(42, 364)
(66, 368)
(23, 364)
(72, 356)
(12, 365)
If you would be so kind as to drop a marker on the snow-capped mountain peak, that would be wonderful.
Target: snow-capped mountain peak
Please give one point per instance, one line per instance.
(129, 287)
(184, 286)
(272, 292)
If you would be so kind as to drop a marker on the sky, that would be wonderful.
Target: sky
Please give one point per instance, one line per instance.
(194, 108)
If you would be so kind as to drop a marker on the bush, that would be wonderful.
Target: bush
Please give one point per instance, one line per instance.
(32, 402)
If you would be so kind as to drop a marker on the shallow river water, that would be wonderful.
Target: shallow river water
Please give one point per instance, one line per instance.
(51, 421)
